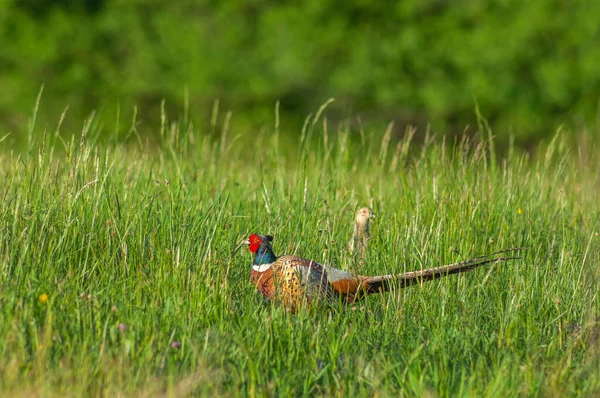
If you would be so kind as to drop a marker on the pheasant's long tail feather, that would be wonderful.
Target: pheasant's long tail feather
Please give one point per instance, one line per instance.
(375, 284)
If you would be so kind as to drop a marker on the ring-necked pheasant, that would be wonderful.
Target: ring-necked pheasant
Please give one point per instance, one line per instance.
(361, 235)
(296, 282)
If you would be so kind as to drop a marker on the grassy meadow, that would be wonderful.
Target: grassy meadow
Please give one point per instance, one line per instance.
(119, 275)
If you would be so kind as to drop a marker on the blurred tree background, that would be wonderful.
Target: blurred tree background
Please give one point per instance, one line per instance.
(529, 65)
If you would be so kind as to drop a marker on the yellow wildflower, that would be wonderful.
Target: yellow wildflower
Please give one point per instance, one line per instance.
(43, 298)
(519, 211)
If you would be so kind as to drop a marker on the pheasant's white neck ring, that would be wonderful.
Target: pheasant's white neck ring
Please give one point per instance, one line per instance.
(262, 267)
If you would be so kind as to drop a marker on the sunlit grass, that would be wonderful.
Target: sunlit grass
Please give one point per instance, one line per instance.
(118, 272)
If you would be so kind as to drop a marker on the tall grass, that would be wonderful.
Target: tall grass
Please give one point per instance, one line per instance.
(118, 273)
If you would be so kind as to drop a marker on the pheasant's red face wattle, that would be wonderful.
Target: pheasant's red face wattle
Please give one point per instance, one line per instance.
(255, 242)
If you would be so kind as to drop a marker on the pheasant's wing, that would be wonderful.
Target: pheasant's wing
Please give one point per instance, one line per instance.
(344, 283)
(308, 279)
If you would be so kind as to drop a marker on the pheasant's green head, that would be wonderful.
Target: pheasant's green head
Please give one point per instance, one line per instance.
(261, 247)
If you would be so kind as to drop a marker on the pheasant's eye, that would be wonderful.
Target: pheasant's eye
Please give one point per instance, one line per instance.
(255, 239)
(255, 242)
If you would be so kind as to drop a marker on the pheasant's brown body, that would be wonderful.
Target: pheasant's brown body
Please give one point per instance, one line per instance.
(297, 282)
(293, 281)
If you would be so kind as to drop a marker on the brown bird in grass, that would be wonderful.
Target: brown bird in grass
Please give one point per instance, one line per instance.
(297, 282)
(362, 234)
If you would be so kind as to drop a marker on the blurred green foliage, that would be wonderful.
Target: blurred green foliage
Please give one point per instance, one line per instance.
(529, 65)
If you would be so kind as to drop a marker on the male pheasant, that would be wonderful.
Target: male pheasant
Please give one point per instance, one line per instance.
(297, 282)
